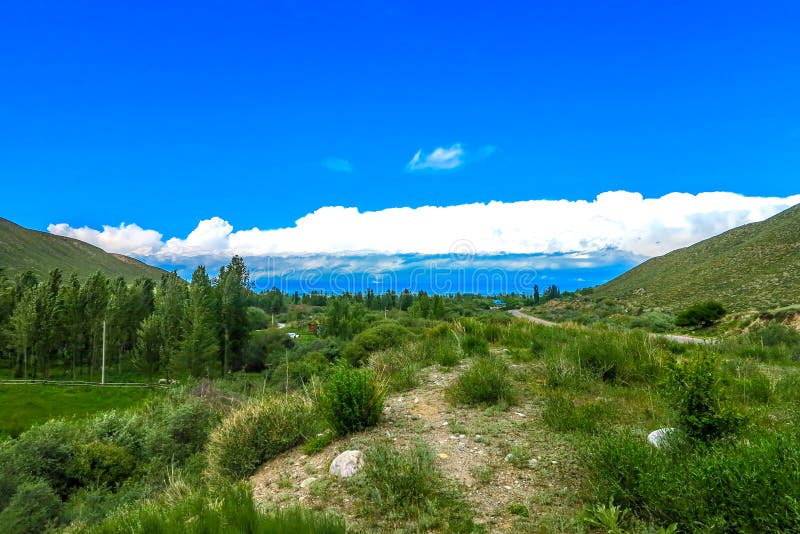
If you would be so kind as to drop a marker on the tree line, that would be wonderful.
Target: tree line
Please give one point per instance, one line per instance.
(155, 327)
(174, 328)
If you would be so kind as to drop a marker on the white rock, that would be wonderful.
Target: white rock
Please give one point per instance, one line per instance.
(307, 482)
(660, 437)
(347, 464)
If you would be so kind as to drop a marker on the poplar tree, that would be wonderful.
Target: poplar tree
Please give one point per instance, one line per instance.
(201, 344)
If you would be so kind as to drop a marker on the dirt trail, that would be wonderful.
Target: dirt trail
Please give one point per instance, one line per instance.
(671, 337)
(472, 447)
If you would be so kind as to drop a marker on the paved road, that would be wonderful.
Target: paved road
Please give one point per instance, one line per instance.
(671, 337)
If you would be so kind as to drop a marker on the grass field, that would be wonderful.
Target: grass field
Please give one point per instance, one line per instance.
(26, 405)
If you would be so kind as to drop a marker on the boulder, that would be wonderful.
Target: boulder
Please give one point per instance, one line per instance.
(661, 437)
(347, 464)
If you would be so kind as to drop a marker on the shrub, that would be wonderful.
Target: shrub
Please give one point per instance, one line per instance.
(351, 399)
(723, 487)
(775, 334)
(34, 508)
(486, 382)
(101, 464)
(179, 430)
(474, 345)
(702, 314)
(318, 443)
(694, 390)
(402, 481)
(381, 336)
(408, 485)
(45, 452)
(396, 367)
(258, 431)
(230, 509)
(442, 350)
(654, 322)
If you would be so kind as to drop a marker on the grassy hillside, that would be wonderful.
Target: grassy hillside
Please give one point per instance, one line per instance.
(756, 266)
(22, 249)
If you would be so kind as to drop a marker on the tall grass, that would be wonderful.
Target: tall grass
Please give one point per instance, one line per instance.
(205, 511)
(258, 431)
(407, 487)
(485, 382)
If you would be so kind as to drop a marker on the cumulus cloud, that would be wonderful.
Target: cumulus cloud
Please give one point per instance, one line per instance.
(337, 165)
(130, 239)
(440, 159)
(618, 221)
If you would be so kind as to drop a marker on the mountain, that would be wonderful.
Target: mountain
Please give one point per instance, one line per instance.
(22, 249)
(756, 266)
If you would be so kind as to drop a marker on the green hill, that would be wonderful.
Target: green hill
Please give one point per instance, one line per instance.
(22, 249)
(756, 266)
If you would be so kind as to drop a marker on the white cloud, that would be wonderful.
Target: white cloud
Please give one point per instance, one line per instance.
(337, 165)
(129, 239)
(619, 221)
(440, 159)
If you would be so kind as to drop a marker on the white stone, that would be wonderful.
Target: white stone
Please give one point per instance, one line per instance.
(659, 438)
(347, 464)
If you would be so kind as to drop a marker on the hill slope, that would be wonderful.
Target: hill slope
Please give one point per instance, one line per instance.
(22, 249)
(756, 266)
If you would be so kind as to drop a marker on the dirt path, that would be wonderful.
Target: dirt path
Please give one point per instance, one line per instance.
(531, 318)
(472, 447)
(671, 337)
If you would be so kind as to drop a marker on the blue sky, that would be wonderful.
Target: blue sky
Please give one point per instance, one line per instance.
(167, 114)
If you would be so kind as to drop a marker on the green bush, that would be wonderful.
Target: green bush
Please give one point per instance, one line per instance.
(258, 431)
(486, 382)
(653, 322)
(402, 481)
(101, 464)
(442, 350)
(474, 345)
(379, 337)
(34, 508)
(351, 399)
(702, 314)
(695, 391)
(750, 486)
(178, 430)
(45, 452)
(775, 334)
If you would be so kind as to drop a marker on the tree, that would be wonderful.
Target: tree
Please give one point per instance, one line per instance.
(343, 319)
(552, 292)
(232, 287)
(23, 329)
(702, 314)
(48, 333)
(73, 322)
(148, 346)
(201, 345)
(94, 296)
(170, 310)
